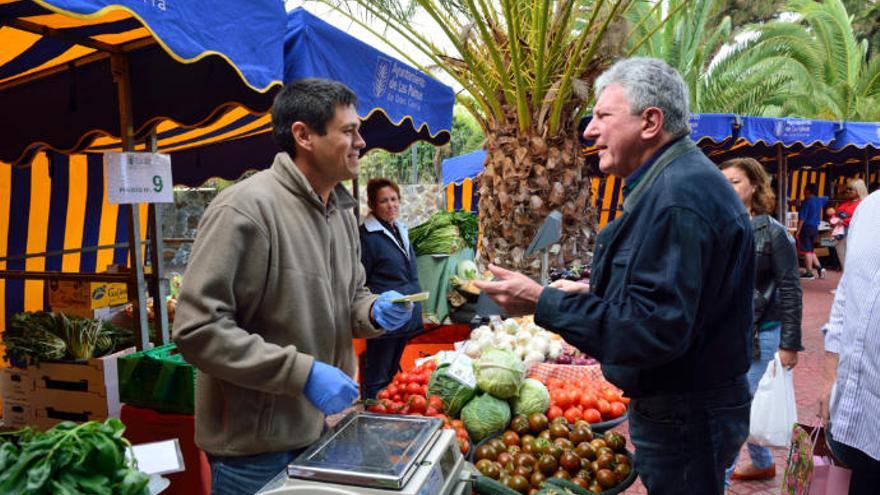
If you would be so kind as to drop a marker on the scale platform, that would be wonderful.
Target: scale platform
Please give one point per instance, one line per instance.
(368, 454)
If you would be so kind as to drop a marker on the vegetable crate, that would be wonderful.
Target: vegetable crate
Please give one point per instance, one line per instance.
(76, 391)
(17, 413)
(15, 384)
(158, 379)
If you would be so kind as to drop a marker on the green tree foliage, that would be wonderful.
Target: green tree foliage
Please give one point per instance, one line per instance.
(832, 76)
(742, 12)
(689, 35)
(466, 137)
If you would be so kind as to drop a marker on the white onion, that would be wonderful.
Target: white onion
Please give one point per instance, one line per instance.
(554, 349)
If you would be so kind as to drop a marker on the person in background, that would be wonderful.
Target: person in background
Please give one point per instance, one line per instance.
(850, 396)
(669, 308)
(390, 264)
(854, 193)
(274, 292)
(809, 216)
(777, 304)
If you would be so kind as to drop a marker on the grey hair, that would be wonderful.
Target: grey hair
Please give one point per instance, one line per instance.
(650, 82)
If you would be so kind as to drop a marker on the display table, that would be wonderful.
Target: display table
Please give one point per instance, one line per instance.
(146, 425)
(434, 272)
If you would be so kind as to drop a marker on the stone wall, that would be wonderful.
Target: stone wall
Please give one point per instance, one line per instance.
(181, 218)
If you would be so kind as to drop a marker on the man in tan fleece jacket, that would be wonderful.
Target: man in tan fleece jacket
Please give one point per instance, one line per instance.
(274, 292)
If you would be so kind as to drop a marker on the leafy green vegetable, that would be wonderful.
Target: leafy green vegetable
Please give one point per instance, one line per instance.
(499, 372)
(485, 415)
(452, 392)
(69, 459)
(42, 336)
(445, 233)
(467, 270)
(533, 397)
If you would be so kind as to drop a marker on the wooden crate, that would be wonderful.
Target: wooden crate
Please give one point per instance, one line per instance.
(54, 406)
(17, 414)
(76, 391)
(15, 384)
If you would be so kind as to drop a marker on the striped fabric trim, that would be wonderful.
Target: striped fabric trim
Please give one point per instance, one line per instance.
(59, 202)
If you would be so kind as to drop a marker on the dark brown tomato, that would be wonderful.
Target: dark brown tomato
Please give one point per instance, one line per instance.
(606, 478)
(520, 424)
(537, 422)
(518, 483)
(585, 450)
(570, 462)
(486, 451)
(510, 437)
(548, 464)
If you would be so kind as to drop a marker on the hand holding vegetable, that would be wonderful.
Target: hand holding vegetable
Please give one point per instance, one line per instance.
(329, 389)
(390, 315)
(516, 293)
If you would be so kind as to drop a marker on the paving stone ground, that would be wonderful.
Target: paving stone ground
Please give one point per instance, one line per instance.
(807, 379)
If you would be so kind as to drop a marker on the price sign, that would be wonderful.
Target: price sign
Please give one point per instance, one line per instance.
(462, 369)
(138, 178)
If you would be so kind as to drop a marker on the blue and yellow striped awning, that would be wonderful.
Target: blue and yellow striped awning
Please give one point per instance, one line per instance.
(59, 60)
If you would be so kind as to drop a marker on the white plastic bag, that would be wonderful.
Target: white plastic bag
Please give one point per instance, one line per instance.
(774, 410)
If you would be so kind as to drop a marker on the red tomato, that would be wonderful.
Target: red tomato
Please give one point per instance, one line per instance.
(625, 400)
(457, 423)
(413, 388)
(397, 398)
(611, 395)
(460, 432)
(464, 445)
(563, 400)
(383, 394)
(554, 412)
(431, 411)
(436, 402)
(573, 414)
(604, 407)
(393, 390)
(423, 390)
(592, 416)
(617, 409)
(418, 404)
(554, 383)
(587, 400)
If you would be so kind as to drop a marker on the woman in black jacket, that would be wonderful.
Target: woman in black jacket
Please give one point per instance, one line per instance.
(390, 263)
(777, 299)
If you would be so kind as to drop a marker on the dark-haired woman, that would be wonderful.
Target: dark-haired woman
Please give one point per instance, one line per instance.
(390, 263)
(777, 301)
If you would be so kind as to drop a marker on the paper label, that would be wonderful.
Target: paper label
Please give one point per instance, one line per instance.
(462, 369)
(138, 178)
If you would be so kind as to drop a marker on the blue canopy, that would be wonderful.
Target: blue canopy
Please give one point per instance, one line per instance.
(184, 60)
(459, 168)
(383, 84)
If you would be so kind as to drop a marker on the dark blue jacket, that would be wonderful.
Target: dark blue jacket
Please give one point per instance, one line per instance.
(390, 266)
(670, 306)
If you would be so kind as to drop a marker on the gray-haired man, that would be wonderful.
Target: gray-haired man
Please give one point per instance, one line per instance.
(669, 307)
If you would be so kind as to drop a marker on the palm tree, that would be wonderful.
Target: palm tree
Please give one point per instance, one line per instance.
(526, 67)
(833, 77)
(744, 78)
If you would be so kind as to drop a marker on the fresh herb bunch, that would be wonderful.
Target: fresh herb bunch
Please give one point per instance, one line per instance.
(42, 336)
(70, 459)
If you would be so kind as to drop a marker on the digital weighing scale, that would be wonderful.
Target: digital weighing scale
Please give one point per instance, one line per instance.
(372, 454)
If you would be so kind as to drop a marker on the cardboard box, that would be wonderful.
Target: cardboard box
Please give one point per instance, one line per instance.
(105, 313)
(86, 295)
(17, 414)
(15, 384)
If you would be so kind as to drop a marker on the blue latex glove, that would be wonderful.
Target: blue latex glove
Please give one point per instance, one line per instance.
(329, 389)
(389, 315)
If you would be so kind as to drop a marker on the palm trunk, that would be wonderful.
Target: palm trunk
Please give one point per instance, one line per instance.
(526, 177)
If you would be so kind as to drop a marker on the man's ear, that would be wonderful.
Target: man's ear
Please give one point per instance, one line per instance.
(302, 135)
(652, 123)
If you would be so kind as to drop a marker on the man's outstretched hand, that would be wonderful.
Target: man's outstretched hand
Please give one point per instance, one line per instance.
(514, 292)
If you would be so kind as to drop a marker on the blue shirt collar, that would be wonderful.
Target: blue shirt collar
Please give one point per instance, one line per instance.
(630, 182)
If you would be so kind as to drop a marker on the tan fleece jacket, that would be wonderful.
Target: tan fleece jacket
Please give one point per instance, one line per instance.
(274, 281)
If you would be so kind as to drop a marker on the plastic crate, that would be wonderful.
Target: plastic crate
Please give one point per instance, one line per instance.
(158, 379)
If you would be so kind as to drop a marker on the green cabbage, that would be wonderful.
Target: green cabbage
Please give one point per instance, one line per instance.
(499, 372)
(452, 392)
(484, 416)
(533, 398)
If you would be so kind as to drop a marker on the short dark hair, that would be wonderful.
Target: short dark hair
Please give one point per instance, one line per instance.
(376, 185)
(812, 189)
(310, 101)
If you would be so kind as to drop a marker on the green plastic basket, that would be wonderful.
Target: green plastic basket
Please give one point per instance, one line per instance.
(157, 379)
